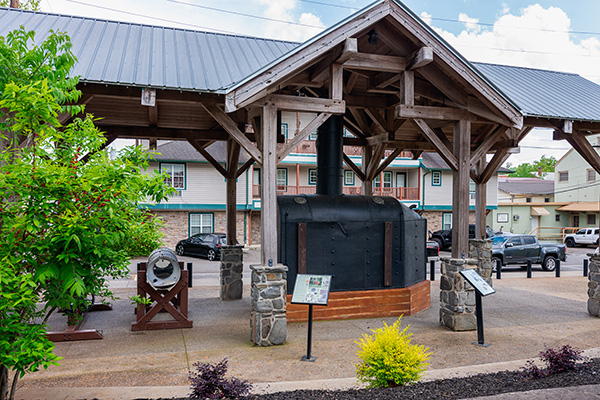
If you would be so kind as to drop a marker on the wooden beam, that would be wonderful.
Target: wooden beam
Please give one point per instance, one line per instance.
(584, 148)
(244, 167)
(354, 167)
(303, 104)
(487, 145)
(493, 165)
(227, 123)
(233, 154)
(336, 82)
(378, 120)
(419, 58)
(302, 135)
(351, 82)
(268, 212)
(376, 62)
(361, 121)
(388, 161)
(436, 113)
(566, 126)
(374, 162)
(366, 101)
(202, 150)
(383, 80)
(407, 88)
(385, 137)
(350, 50)
(367, 184)
(446, 154)
(444, 84)
(480, 202)
(460, 190)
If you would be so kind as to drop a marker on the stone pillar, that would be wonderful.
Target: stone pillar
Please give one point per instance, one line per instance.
(268, 319)
(594, 285)
(232, 258)
(481, 250)
(457, 297)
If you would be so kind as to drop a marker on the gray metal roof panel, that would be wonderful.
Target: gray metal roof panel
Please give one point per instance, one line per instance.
(126, 53)
(526, 186)
(547, 94)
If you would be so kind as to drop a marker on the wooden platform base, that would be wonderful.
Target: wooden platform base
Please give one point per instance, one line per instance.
(366, 304)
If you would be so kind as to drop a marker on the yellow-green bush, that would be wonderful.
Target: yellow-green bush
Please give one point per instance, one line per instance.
(389, 359)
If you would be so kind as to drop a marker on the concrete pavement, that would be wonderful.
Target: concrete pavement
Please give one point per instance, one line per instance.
(522, 317)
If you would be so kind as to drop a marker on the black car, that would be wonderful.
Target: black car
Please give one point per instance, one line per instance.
(433, 248)
(202, 244)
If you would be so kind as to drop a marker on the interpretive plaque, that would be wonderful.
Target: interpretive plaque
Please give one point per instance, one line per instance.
(477, 281)
(311, 289)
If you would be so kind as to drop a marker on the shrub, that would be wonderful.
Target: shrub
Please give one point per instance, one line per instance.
(389, 359)
(209, 382)
(559, 360)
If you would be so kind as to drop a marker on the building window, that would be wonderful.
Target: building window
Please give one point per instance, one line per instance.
(348, 178)
(436, 178)
(557, 217)
(176, 175)
(201, 223)
(312, 176)
(313, 136)
(502, 217)
(591, 219)
(591, 175)
(563, 176)
(256, 176)
(284, 130)
(528, 199)
(281, 177)
(447, 220)
(387, 179)
(546, 199)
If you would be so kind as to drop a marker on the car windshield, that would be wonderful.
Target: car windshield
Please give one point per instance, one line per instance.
(498, 240)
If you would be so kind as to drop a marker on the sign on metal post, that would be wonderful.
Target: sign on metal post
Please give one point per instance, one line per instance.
(312, 290)
(482, 288)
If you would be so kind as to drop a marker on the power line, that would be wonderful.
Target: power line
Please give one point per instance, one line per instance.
(154, 18)
(246, 15)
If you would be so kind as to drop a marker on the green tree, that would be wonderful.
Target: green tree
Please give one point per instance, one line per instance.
(24, 4)
(69, 214)
(529, 170)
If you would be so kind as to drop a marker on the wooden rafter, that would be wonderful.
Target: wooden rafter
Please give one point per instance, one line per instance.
(303, 104)
(373, 165)
(584, 148)
(446, 154)
(493, 165)
(354, 167)
(201, 148)
(487, 144)
(302, 135)
(388, 161)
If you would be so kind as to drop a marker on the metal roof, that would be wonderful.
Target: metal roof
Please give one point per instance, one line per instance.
(524, 186)
(435, 161)
(546, 94)
(125, 53)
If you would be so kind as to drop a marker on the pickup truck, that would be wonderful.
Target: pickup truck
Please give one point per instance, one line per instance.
(518, 249)
(444, 236)
(582, 237)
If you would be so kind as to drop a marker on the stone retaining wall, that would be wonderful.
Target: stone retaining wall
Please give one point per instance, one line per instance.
(594, 286)
(268, 320)
(232, 264)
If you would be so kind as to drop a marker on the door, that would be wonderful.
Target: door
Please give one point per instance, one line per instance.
(575, 221)
(401, 179)
(531, 248)
(513, 251)
(535, 222)
(206, 244)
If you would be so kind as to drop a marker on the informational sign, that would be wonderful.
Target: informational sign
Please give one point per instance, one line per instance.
(311, 289)
(477, 281)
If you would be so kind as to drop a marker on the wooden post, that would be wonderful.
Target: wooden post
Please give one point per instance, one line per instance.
(367, 184)
(268, 214)
(233, 152)
(460, 189)
(480, 202)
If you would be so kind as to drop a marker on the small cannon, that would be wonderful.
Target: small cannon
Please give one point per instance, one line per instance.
(164, 281)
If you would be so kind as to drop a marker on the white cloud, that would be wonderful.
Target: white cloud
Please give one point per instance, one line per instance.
(470, 23)
(538, 37)
(426, 17)
(284, 10)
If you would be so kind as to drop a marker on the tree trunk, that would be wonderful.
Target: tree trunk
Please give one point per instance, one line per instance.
(3, 382)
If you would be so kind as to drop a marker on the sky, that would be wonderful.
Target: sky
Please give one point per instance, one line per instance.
(561, 35)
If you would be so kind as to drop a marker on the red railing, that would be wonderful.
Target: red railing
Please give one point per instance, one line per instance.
(400, 193)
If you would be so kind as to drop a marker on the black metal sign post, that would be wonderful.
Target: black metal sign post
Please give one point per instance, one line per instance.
(482, 288)
(311, 289)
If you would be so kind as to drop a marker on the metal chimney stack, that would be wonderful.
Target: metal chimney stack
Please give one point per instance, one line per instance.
(330, 156)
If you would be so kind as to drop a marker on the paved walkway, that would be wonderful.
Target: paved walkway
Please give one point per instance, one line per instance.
(522, 317)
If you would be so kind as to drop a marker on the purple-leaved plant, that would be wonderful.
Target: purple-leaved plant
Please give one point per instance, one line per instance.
(209, 382)
(560, 360)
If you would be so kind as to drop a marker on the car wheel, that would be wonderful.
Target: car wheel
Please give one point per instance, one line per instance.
(549, 263)
(570, 242)
(211, 255)
(497, 264)
(179, 250)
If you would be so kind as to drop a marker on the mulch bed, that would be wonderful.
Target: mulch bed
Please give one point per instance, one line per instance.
(587, 373)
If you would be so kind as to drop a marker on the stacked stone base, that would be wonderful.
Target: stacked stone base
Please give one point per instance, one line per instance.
(366, 304)
(268, 322)
(594, 286)
(232, 264)
(457, 297)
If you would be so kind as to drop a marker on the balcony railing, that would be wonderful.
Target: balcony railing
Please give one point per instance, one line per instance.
(400, 193)
(309, 147)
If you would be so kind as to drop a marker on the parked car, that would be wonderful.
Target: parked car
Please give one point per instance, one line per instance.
(433, 248)
(202, 244)
(583, 237)
(444, 236)
(518, 249)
